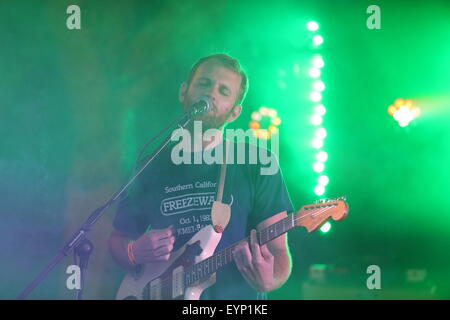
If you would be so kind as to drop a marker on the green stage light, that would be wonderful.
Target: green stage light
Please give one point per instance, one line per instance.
(319, 85)
(317, 40)
(323, 180)
(314, 72)
(319, 190)
(318, 167)
(312, 26)
(316, 120)
(318, 61)
(320, 110)
(326, 227)
(317, 143)
(321, 133)
(322, 156)
(315, 96)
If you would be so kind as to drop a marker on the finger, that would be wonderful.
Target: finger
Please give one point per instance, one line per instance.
(239, 258)
(242, 266)
(166, 241)
(163, 258)
(163, 250)
(256, 251)
(266, 254)
(246, 256)
(163, 233)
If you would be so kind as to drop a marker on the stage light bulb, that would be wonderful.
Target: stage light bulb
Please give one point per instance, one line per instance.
(316, 120)
(312, 26)
(323, 180)
(322, 156)
(314, 72)
(321, 133)
(319, 85)
(318, 167)
(317, 40)
(318, 62)
(320, 110)
(326, 227)
(319, 190)
(317, 143)
(315, 96)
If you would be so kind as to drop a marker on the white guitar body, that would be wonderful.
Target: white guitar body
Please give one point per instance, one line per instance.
(146, 284)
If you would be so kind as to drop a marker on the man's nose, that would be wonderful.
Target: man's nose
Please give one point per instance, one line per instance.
(212, 93)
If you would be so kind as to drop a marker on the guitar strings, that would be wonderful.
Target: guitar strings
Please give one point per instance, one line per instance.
(166, 282)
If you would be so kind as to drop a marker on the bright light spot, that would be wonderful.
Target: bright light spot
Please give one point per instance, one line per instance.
(316, 120)
(314, 72)
(399, 102)
(320, 110)
(326, 227)
(321, 133)
(317, 143)
(273, 129)
(322, 156)
(318, 62)
(272, 113)
(315, 96)
(256, 116)
(392, 109)
(264, 111)
(317, 40)
(276, 121)
(318, 167)
(312, 26)
(323, 180)
(319, 190)
(319, 85)
(403, 111)
(254, 125)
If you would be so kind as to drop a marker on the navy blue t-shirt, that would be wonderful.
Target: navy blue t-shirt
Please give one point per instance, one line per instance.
(182, 195)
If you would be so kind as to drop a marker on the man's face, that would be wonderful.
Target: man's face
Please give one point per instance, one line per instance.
(218, 83)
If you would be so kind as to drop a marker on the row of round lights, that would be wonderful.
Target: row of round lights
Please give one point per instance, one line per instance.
(318, 86)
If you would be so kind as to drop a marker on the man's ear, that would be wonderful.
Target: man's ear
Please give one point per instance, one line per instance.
(182, 93)
(234, 114)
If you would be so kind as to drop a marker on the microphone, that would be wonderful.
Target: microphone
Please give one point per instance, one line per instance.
(202, 105)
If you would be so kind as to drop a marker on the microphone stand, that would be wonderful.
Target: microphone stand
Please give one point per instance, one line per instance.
(77, 241)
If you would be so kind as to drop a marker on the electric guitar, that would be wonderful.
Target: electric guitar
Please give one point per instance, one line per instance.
(192, 268)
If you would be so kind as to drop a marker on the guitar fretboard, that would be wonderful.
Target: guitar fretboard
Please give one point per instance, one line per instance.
(210, 265)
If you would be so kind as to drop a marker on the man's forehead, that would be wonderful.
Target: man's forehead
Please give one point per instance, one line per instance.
(211, 69)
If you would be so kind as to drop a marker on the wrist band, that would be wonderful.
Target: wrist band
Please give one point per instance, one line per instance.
(130, 253)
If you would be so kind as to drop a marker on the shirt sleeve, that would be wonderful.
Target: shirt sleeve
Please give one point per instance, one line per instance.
(271, 195)
(129, 219)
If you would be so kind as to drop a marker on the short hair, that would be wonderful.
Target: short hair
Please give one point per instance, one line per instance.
(228, 62)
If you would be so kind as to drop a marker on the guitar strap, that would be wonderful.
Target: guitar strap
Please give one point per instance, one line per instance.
(221, 212)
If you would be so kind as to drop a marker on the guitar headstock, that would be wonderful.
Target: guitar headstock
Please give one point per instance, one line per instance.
(312, 216)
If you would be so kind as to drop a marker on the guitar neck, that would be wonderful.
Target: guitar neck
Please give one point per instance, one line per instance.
(212, 264)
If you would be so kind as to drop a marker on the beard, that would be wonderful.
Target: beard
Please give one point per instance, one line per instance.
(210, 120)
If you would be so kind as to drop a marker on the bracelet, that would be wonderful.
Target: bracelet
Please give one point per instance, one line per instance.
(130, 253)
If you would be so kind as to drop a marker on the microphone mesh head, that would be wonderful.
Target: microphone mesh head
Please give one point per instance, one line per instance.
(202, 105)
